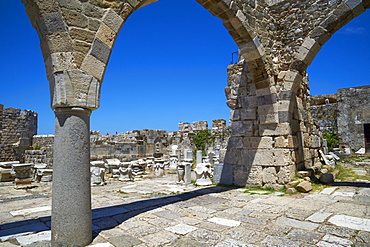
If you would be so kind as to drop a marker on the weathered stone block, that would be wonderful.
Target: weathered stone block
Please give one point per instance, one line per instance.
(71, 4)
(356, 6)
(248, 114)
(94, 24)
(269, 175)
(255, 176)
(304, 186)
(92, 11)
(94, 67)
(52, 23)
(305, 55)
(242, 128)
(266, 99)
(113, 20)
(74, 18)
(106, 35)
(268, 113)
(275, 129)
(74, 88)
(257, 142)
(100, 51)
(59, 61)
(82, 34)
(81, 46)
(56, 42)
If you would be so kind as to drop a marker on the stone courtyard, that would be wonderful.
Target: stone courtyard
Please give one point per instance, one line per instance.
(155, 211)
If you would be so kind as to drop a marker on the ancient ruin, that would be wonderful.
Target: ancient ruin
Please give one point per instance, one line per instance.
(348, 113)
(272, 132)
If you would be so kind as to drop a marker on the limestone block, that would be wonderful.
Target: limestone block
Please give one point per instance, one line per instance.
(59, 61)
(242, 128)
(113, 20)
(282, 157)
(81, 46)
(258, 142)
(266, 99)
(304, 186)
(250, 50)
(255, 176)
(266, 91)
(106, 35)
(74, 18)
(268, 113)
(56, 42)
(286, 141)
(94, 24)
(260, 157)
(126, 10)
(100, 51)
(305, 55)
(269, 175)
(285, 174)
(249, 102)
(71, 4)
(248, 114)
(133, 3)
(94, 67)
(233, 156)
(356, 6)
(311, 45)
(321, 35)
(275, 129)
(82, 34)
(92, 11)
(51, 23)
(235, 115)
(235, 142)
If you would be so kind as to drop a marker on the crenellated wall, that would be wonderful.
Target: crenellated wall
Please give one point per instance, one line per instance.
(16, 131)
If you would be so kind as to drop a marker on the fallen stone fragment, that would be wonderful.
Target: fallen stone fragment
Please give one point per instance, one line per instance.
(304, 186)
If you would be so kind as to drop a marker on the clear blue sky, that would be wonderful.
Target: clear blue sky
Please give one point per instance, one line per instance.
(168, 66)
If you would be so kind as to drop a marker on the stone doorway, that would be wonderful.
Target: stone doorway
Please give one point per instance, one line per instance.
(367, 137)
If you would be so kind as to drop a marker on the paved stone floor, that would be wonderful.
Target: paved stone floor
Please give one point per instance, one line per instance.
(157, 212)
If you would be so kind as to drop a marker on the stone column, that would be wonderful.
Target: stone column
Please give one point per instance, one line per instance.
(71, 222)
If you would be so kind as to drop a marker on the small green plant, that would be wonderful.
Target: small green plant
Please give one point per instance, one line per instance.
(331, 136)
(201, 139)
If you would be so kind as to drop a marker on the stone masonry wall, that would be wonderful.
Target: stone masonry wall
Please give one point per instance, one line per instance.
(353, 113)
(17, 129)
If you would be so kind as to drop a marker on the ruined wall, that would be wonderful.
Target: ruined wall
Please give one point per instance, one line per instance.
(134, 144)
(17, 129)
(353, 113)
(325, 116)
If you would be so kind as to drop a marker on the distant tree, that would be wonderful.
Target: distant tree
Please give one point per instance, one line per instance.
(201, 139)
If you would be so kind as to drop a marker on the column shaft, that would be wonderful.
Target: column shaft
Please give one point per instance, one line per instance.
(71, 201)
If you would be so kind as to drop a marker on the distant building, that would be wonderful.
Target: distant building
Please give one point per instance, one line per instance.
(347, 112)
(16, 131)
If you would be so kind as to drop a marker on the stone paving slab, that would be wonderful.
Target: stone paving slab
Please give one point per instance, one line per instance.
(197, 216)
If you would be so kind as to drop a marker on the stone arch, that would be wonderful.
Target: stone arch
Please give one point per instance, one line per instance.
(338, 14)
(77, 38)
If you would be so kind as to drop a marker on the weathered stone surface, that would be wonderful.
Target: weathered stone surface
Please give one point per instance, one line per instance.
(304, 186)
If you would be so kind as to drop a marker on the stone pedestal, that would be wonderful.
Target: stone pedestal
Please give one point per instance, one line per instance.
(23, 179)
(71, 221)
(184, 173)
